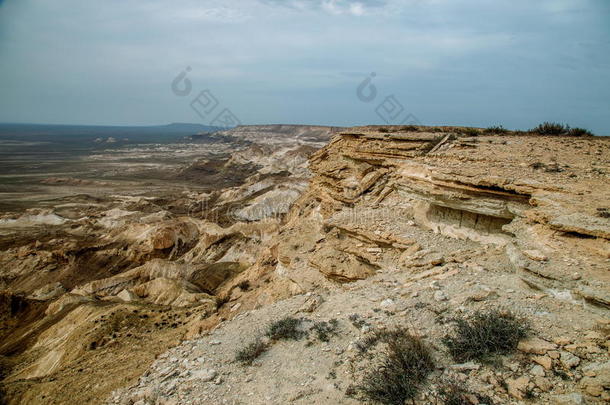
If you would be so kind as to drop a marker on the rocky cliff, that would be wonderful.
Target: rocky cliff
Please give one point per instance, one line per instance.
(381, 227)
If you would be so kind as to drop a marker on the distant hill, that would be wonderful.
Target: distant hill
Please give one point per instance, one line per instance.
(91, 133)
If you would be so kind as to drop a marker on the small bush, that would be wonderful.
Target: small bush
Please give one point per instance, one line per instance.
(251, 352)
(244, 285)
(410, 128)
(498, 130)
(324, 330)
(406, 364)
(485, 333)
(383, 130)
(551, 128)
(580, 132)
(286, 329)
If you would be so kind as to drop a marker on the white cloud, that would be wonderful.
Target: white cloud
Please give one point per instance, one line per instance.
(356, 9)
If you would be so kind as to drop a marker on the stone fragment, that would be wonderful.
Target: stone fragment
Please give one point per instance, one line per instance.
(311, 303)
(568, 399)
(544, 361)
(543, 383)
(537, 370)
(562, 340)
(388, 303)
(597, 378)
(535, 345)
(517, 387)
(568, 360)
(535, 255)
(127, 296)
(204, 374)
(440, 296)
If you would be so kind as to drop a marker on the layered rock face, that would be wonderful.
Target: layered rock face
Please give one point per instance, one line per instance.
(542, 199)
(411, 228)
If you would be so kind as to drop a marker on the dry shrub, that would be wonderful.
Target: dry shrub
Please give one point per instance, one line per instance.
(484, 334)
(251, 352)
(405, 364)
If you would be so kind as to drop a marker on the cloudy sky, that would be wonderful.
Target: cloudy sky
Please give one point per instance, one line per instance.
(462, 62)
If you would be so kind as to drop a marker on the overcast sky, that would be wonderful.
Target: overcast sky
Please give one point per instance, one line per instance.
(475, 62)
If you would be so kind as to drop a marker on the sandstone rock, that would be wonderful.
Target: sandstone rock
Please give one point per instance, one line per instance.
(597, 378)
(535, 255)
(410, 251)
(517, 388)
(535, 345)
(544, 361)
(562, 340)
(543, 383)
(341, 266)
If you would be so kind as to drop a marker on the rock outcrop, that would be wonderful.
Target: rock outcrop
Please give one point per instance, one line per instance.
(399, 226)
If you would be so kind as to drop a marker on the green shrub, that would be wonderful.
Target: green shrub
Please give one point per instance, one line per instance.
(484, 334)
(251, 352)
(410, 128)
(286, 329)
(405, 365)
(383, 130)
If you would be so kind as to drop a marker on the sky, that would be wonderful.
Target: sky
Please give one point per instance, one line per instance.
(514, 63)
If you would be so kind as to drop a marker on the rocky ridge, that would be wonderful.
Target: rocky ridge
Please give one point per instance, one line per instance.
(401, 227)
(412, 229)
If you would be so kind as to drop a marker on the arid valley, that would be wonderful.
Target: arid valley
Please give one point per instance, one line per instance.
(274, 264)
